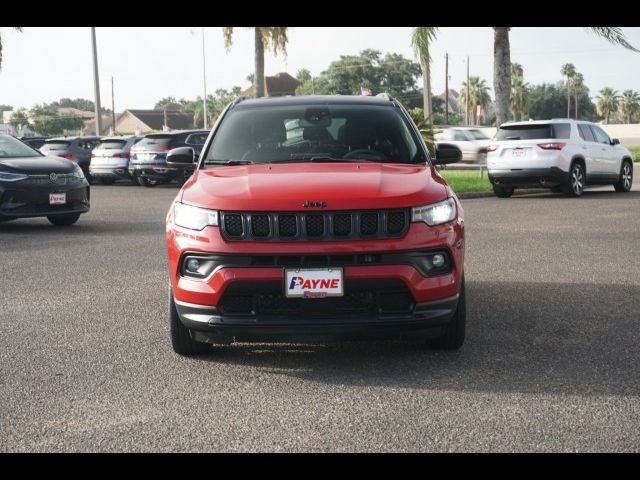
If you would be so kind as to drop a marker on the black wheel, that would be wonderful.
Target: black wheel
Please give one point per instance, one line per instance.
(64, 220)
(181, 339)
(134, 181)
(575, 186)
(106, 181)
(503, 191)
(145, 182)
(626, 177)
(454, 333)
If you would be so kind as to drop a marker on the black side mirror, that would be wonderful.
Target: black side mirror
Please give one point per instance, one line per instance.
(615, 141)
(181, 156)
(447, 153)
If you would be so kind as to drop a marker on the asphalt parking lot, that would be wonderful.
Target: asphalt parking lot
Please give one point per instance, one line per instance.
(550, 362)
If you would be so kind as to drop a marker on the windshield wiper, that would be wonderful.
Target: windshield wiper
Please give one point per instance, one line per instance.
(322, 159)
(228, 162)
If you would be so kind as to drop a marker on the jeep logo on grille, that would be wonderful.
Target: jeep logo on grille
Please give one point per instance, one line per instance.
(310, 204)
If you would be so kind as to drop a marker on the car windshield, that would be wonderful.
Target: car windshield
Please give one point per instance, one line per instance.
(314, 133)
(13, 148)
(478, 135)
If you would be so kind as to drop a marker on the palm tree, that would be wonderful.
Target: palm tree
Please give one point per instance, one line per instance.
(478, 93)
(270, 37)
(629, 105)
(569, 71)
(516, 71)
(421, 38)
(607, 102)
(502, 63)
(577, 83)
(519, 98)
(19, 29)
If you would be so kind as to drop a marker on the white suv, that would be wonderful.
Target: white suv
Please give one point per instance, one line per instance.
(562, 154)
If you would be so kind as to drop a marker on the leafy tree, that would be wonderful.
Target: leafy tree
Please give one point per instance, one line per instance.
(550, 101)
(516, 71)
(47, 121)
(577, 84)
(502, 63)
(303, 75)
(5, 108)
(519, 98)
(160, 104)
(478, 93)
(607, 102)
(629, 105)
(425, 128)
(19, 29)
(269, 37)
(19, 118)
(421, 39)
(79, 103)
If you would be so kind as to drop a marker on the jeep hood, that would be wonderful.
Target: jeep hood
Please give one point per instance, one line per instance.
(343, 186)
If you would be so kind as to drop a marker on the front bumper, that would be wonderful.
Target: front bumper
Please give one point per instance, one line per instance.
(552, 176)
(17, 201)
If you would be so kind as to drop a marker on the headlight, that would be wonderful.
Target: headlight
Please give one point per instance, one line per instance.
(78, 173)
(193, 218)
(12, 177)
(435, 213)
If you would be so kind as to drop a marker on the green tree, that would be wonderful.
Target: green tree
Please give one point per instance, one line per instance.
(516, 71)
(5, 108)
(47, 121)
(79, 103)
(569, 71)
(303, 75)
(421, 39)
(160, 104)
(577, 84)
(519, 98)
(550, 101)
(607, 102)
(478, 93)
(269, 37)
(19, 119)
(426, 129)
(629, 105)
(19, 29)
(502, 63)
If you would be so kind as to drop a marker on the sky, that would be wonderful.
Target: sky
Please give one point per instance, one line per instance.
(148, 63)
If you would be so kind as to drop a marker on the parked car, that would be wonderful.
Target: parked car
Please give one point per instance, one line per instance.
(344, 231)
(561, 154)
(472, 141)
(34, 142)
(110, 159)
(76, 149)
(148, 163)
(33, 185)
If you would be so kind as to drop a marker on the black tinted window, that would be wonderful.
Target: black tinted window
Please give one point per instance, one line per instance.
(289, 133)
(111, 144)
(155, 140)
(585, 133)
(534, 132)
(601, 136)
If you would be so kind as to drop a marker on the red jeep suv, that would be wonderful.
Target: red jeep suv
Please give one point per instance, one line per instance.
(315, 218)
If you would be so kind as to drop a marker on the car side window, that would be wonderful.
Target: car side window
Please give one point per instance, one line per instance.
(585, 132)
(459, 136)
(197, 139)
(601, 136)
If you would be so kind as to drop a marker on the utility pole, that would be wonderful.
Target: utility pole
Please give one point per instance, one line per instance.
(467, 90)
(96, 83)
(166, 127)
(204, 73)
(113, 108)
(446, 89)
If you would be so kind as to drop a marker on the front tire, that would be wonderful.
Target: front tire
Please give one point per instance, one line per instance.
(626, 178)
(63, 220)
(181, 340)
(502, 191)
(454, 333)
(575, 185)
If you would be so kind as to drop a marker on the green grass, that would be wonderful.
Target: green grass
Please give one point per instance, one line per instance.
(468, 181)
(635, 151)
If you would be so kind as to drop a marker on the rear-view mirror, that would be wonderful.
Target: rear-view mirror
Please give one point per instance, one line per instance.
(447, 153)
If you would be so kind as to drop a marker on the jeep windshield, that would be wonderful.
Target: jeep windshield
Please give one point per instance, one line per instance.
(314, 133)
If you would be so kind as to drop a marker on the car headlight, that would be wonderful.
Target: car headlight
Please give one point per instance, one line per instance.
(435, 213)
(78, 173)
(193, 218)
(12, 177)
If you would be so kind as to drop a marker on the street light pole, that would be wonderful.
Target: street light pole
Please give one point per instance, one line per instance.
(468, 91)
(96, 83)
(113, 108)
(204, 75)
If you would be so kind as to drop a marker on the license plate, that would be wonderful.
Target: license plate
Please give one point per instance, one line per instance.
(57, 198)
(517, 153)
(313, 283)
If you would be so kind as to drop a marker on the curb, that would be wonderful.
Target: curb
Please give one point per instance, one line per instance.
(531, 191)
